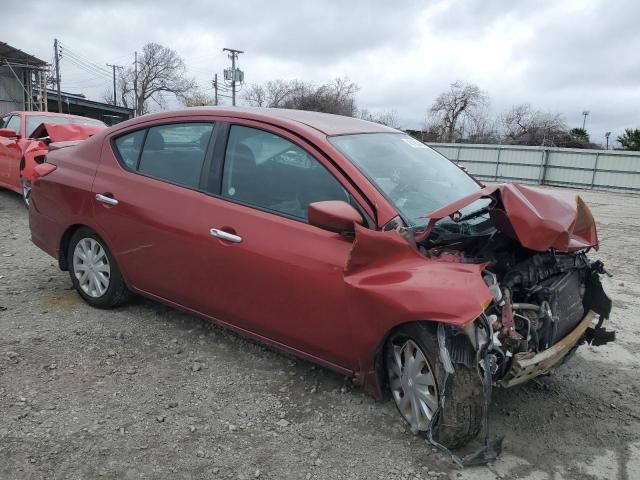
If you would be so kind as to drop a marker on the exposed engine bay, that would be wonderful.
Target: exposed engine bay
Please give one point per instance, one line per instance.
(545, 289)
(539, 297)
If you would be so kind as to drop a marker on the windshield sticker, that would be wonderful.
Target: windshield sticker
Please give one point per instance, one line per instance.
(412, 142)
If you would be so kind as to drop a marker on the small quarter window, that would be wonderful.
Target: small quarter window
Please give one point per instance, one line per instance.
(129, 148)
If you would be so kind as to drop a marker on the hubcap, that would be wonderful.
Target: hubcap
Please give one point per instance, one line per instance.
(91, 267)
(413, 384)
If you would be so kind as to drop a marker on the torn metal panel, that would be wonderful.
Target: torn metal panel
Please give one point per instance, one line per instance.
(392, 282)
(539, 219)
(528, 365)
(61, 132)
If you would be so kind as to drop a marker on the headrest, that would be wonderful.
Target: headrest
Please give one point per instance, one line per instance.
(154, 141)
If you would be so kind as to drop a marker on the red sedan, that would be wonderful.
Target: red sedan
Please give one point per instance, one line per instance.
(24, 140)
(342, 241)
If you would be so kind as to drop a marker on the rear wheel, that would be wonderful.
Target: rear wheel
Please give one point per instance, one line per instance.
(94, 271)
(416, 378)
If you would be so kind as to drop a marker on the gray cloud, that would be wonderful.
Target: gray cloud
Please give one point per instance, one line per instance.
(559, 56)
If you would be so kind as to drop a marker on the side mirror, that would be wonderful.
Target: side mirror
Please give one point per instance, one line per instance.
(334, 215)
(8, 133)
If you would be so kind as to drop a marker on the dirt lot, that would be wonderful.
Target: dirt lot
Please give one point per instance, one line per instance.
(146, 391)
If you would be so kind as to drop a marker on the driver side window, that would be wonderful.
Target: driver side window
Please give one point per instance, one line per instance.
(267, 171)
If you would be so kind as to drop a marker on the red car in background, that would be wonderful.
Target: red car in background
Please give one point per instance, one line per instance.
(24, 140)
(342, 241)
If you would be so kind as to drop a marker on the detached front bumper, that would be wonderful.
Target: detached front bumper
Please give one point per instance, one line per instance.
(528, 365)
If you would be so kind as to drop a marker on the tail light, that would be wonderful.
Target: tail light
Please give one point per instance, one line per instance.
(42, 170)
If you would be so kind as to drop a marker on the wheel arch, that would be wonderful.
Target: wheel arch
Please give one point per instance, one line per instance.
(63, 260)
(376, 382)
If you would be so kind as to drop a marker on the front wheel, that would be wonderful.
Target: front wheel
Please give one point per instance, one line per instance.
(94, 272)
(416, 376)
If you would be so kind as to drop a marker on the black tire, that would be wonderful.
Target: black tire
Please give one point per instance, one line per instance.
(460, 420)
(116, 292)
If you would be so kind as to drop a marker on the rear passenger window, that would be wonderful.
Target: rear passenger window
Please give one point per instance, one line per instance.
(129, 148)
(174, 153)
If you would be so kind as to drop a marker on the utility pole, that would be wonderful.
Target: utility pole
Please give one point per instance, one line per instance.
(115, 98)
(135, 84)
(584, 121)
(234, 74)
(57, 62)
(215, 89)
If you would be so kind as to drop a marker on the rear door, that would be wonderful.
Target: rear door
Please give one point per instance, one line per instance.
(265, 268)
(10, 153)
(148, 195)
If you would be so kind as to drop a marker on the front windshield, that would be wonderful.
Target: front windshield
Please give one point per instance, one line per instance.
(34, 121)
(413, 177)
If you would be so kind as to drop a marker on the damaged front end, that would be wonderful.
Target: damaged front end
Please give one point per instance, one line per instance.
(546, 291)
(532, 245)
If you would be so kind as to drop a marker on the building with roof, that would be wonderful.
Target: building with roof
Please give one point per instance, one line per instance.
(23, 87)
(78, 104)
(23, 80)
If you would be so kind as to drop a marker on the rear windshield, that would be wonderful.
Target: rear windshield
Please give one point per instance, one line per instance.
(34, 121)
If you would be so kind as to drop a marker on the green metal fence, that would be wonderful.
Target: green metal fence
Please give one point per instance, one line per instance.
(613, 170)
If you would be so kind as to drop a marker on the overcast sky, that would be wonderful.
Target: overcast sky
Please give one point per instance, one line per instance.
(560, 56)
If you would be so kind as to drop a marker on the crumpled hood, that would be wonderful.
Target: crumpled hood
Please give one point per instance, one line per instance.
(540, 219)
(60, 132)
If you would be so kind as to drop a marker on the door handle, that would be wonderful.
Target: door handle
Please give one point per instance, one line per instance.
(229, 237)
(107, 200)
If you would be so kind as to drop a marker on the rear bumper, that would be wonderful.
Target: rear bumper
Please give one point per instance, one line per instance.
(528, 365)
(45, 232)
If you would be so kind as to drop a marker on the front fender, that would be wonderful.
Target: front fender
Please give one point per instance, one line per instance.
(389, 282)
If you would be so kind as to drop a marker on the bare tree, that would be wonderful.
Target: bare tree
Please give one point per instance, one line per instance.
(255, 95)
(524, 126)
(270, 94)
(160, 71)
(450, 108)
(337, 96)
(388, 118)
(479, 128)
(196, 99)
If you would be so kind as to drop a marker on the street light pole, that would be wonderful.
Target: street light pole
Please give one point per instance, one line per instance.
(584, 121)
(606, 135)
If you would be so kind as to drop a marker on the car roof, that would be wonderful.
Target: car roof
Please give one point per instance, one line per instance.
(52, 114)
(326, 123)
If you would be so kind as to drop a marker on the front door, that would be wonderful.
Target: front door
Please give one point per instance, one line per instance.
(267, 270)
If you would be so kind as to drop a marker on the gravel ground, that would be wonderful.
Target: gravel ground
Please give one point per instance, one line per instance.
(146, 391)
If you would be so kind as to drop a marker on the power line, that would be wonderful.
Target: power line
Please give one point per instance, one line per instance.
(82, 58)
(88, 70)
(84, 65)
